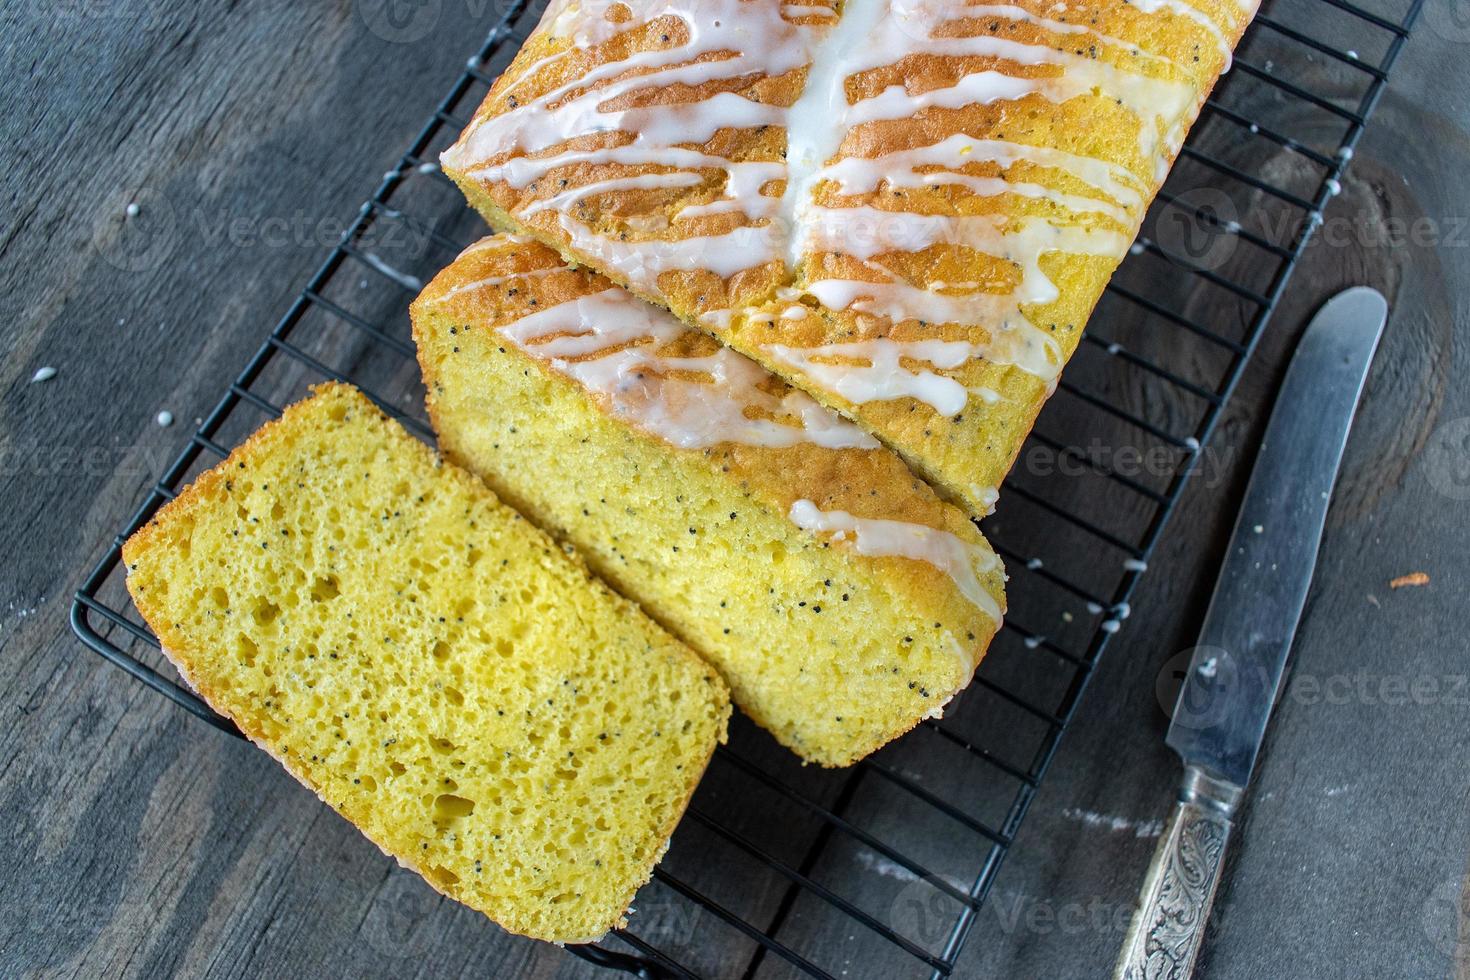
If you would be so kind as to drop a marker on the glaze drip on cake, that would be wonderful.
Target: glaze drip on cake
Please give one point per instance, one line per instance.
(910, 172)
(871, 536)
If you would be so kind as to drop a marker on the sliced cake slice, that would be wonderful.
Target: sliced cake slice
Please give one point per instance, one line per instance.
(839, 597)
(907, 208)
(435, 668)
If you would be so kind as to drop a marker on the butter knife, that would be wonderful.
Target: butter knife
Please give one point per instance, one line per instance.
(1237, 666)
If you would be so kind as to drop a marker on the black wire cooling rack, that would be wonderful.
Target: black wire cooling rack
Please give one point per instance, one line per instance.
(780, 870)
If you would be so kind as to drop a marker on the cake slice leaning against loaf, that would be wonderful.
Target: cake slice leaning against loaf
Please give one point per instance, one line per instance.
(839, 597)
(436, 669)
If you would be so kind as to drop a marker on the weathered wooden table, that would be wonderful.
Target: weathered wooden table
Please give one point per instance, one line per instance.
(137, 841)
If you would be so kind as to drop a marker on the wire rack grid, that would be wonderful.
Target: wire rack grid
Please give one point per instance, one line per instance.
(771, 874)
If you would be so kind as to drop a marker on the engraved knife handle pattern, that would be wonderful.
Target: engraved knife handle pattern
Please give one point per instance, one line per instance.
(1174, 907)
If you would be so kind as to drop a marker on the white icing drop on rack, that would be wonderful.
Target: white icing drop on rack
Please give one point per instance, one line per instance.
(608, 342)
(957, 558)
(409, 282)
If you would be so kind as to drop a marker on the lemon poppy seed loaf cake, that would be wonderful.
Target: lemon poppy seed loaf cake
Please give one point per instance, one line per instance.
(906, 207)
(841, 599)
(432, 666)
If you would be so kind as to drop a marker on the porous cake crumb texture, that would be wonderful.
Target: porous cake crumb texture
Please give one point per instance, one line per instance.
(436, 669)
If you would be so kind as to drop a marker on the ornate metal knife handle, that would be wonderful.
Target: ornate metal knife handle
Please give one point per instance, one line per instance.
(1174, 907)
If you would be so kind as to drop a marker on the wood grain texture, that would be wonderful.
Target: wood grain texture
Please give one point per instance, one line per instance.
(139, 842)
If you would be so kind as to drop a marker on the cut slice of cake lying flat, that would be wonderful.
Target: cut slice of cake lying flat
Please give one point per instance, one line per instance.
(841, 599)
(435, 668)
(906, 207)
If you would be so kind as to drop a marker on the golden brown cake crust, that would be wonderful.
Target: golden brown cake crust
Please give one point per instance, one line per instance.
(985, 167)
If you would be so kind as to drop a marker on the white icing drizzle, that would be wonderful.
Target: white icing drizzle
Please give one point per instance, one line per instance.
(1011, 11)
(876, 370)
(1179, 7)
(726, 39)
(716, 319)
(804, 10)
(985, 496)
(718, 40)
(1119, 194)
(490, 243)
(1182, 9)
(873, 370)
(865, 232)
(641, 263)
(1012, 339)
(489, 281)
(608, 342)
(559, 202)
(817, 122)
(957, 558)
(872, 34)
(908, 27)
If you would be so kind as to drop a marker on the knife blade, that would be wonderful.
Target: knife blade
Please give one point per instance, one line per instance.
(1233, 679)
(1235, 673)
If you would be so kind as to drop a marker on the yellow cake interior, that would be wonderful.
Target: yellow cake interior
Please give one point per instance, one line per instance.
(436, 669)
(834, 651)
